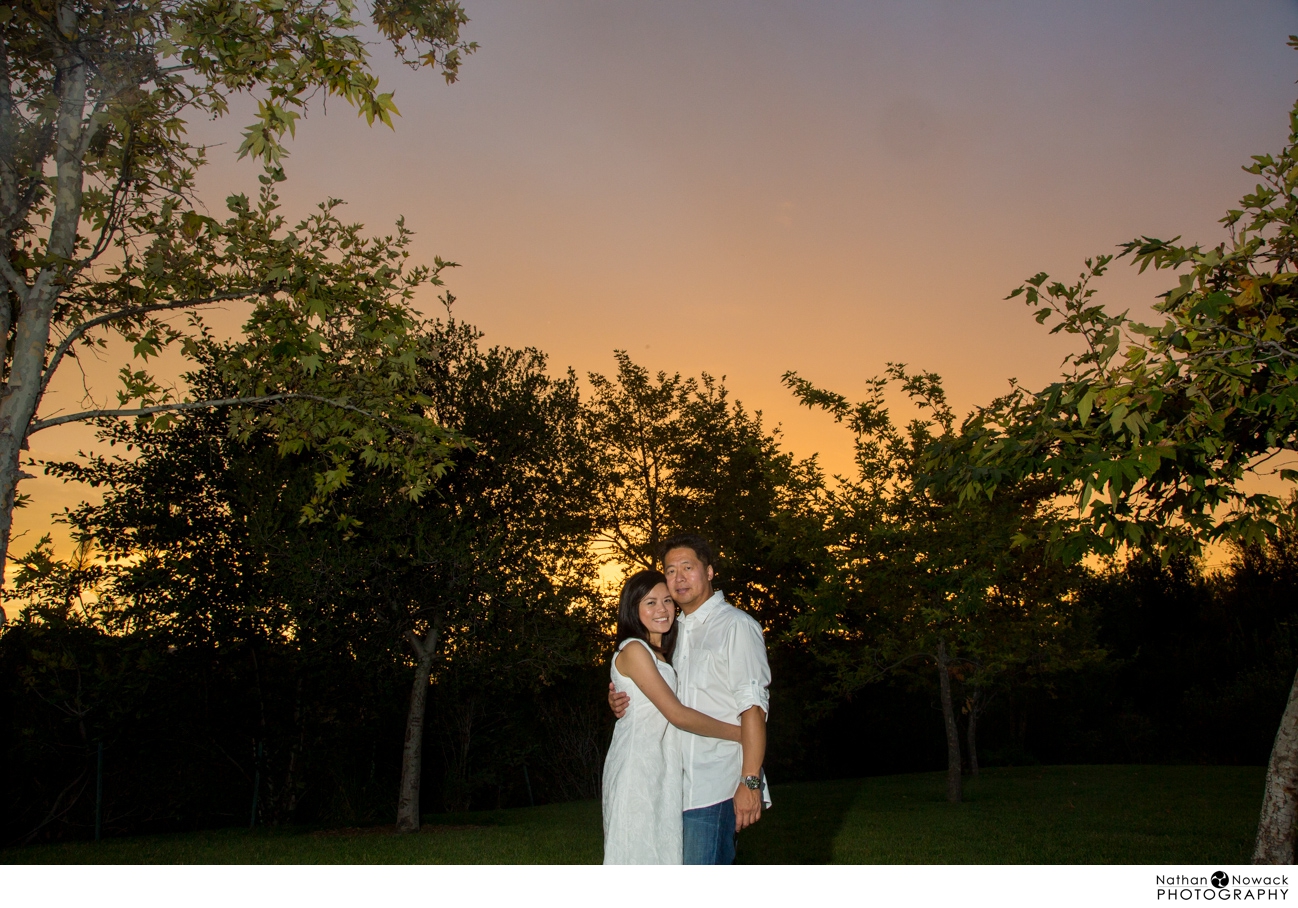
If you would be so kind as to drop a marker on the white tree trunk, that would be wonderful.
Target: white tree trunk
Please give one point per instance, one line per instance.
(412, 755)
(22, 391)
(1275, 828)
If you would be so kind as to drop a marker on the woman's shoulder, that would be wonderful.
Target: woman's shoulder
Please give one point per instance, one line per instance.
(628, 656)
(623, 645)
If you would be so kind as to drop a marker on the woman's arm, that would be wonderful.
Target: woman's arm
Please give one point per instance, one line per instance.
(637, 664)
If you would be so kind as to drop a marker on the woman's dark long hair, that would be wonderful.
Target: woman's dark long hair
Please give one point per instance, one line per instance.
(638, 586)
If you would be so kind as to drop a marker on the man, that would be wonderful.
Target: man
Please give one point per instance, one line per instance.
(721, 670)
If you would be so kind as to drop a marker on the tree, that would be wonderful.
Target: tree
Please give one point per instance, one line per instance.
(916, 579)
(497, 569)
(1202, 658)
(676, 453)
(634, 421)
(203, 556)
(761, 507)
(216, 630)
(100, 234)
(1154, 427)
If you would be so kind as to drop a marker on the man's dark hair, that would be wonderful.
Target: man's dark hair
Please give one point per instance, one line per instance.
(694, 542)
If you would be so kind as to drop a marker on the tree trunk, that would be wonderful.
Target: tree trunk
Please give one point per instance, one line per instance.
(412, 755)
(21, 393)
(971, 734)
(9, 476)
(954, 784)
(1275, 828)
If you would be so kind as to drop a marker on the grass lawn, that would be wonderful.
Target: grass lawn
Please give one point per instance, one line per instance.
(1035, 815)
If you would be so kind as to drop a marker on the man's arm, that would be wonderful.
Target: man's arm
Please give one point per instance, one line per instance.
(752, 738)
(617, 702)
(750, 680)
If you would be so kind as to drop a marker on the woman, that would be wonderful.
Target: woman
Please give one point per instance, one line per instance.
(642, 773)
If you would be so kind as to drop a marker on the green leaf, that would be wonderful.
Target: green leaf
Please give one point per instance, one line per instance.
(1084, 406)
(1116, 417)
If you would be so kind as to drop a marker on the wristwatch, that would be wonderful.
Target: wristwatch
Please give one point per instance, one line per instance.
(753, 783)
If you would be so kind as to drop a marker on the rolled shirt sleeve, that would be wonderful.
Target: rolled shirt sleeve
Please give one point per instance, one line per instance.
(749, 672)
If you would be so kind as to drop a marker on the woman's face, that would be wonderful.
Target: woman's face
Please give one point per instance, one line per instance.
(657, 611)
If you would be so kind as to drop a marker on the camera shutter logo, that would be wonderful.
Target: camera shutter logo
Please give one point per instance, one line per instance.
(1219, 879)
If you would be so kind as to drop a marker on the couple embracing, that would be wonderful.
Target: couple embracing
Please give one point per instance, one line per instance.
(684, 772)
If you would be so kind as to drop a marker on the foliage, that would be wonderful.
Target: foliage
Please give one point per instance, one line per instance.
(1154, 427)
(333, 324)
(208, 643)
(499, 558)
(1201, 660)
(101, 234)
(918, 579)
(216, 622)
(675, 454)
(207, 620)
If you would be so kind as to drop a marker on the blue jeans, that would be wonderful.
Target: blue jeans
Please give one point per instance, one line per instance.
(709, 834)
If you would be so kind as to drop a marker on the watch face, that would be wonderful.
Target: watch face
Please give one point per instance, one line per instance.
(753, 782)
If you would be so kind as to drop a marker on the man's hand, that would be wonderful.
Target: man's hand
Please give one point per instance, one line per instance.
(748, 807)
(617, 702)
(752, 738)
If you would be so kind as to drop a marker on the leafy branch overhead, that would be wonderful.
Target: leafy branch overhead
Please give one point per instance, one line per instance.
(102, 232)
(332, 335)
(1153, 427)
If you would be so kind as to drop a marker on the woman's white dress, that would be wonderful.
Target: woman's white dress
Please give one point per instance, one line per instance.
(642, 778)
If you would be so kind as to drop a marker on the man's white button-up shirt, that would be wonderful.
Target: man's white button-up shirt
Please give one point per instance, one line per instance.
(721, 670)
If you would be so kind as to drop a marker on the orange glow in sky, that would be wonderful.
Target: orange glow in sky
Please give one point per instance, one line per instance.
(749, 188)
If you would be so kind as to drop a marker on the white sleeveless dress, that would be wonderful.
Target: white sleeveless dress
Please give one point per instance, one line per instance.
(643, 793)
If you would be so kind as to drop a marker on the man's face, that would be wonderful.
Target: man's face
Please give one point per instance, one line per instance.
(688, 579)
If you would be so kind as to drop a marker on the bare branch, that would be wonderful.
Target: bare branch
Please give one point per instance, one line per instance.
(91, 124)
(55, 813)
(424, 648)
(14, 279)
(180, 406)
(415, 642)
(98, 320)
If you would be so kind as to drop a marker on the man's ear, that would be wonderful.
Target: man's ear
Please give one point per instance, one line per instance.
(709, 573)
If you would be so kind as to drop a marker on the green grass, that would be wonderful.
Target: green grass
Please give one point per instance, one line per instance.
(1026, 815)
(1037, 815)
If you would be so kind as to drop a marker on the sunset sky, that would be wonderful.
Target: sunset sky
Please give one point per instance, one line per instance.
(749, 188)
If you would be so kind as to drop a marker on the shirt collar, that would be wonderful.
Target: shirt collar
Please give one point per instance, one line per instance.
(709, 605)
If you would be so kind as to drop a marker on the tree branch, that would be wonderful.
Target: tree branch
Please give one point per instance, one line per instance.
(879, 673)
(424, 648)
(107, 93)
(40, 424)
(42, 147)
(112, 218)
(95, 322)
(14, 279)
